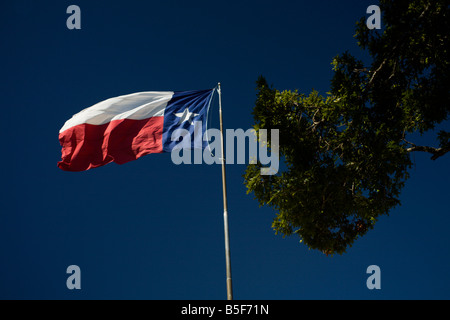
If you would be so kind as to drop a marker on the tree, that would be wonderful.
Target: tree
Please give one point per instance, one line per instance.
(347, 154)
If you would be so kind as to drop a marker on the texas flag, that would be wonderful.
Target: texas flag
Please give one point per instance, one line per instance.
(127, 127)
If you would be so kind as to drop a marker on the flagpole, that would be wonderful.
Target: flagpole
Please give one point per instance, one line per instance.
(225, 206)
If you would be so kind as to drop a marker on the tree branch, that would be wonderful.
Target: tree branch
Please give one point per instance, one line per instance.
(375, 73)
(436, 152)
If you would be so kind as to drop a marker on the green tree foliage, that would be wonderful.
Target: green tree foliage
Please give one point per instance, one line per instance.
(346, 154)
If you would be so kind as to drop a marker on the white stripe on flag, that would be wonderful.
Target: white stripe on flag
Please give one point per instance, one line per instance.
(135, 106)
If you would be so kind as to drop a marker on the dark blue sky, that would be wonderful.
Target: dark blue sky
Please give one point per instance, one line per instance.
(150, 229)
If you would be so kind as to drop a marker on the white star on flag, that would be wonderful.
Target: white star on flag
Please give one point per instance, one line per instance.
(186, 115)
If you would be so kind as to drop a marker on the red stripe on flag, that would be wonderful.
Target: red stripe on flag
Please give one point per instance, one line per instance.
(88, 146)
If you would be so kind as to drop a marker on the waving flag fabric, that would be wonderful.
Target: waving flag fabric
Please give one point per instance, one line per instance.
(125, 128)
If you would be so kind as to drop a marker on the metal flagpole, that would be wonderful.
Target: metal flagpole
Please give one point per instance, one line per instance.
(225, 206)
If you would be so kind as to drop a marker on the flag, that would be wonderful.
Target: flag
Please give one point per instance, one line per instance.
(125, 128)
